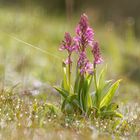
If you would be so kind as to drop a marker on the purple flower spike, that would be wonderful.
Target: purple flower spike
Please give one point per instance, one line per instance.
(96, 52)
(67, 44)
(84, 34)
(83, 24)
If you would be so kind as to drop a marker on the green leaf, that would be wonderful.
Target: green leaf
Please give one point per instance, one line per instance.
(93, 98)
(67, 107)
(105, 114)
(101, 79)
(65, 82)
(81, 81)
(102, 84)
(110, 107)
(63, 105)
(63, 92)
(113, 106)
(72, 98)
(102, 91)
(89, 79)
(85, 95)
(89, 99)
(109, 95)
(117, 114)
(77, 82)
(70, 104)
(86, 100)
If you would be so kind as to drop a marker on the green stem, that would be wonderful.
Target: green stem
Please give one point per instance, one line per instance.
(95, 80)
(69, 74)
(96, 87)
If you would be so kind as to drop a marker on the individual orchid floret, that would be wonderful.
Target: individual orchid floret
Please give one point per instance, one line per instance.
(89, 68)
(84, 34)
(68, 61)
(96, 53)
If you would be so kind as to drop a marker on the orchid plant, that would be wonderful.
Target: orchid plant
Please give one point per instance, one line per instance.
(77, 98)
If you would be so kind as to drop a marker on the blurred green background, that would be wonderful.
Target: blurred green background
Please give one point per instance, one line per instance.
(42, 23)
